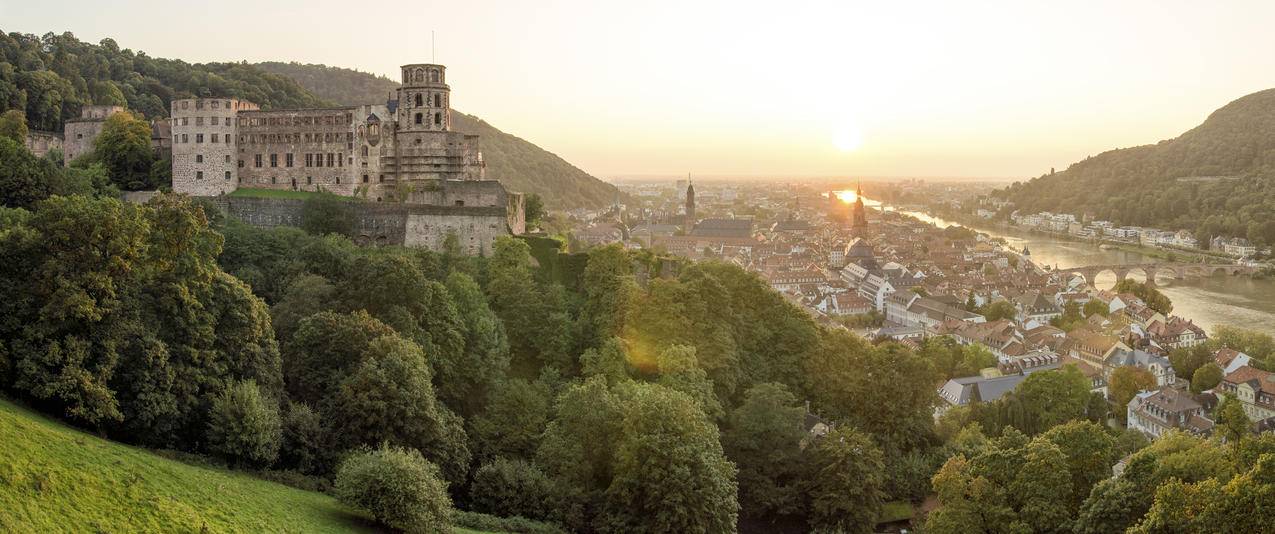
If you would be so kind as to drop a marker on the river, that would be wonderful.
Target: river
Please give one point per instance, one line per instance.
(1218, 300)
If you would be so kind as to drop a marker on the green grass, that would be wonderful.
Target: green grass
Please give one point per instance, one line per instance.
(896, 511)
(57, 479)
(271, 193)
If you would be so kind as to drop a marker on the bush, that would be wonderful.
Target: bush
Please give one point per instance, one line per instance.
(399, 487)
(303, 447)
(511, 488)
(491, 523)
(244, 425)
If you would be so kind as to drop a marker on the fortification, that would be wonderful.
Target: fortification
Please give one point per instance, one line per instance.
(403, 151)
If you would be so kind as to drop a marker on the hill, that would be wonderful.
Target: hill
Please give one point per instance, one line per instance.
(517, 163)
(1216, 179)
(55, 478)
(50, 77)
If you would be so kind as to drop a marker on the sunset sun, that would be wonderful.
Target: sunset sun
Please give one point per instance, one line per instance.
(848, 139)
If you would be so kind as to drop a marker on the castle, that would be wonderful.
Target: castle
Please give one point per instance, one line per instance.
(402, 153)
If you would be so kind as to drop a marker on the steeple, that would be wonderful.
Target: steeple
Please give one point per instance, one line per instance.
(858, 216)
(690, 204)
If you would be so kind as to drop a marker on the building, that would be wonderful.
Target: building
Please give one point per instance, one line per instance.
(402, 150)
(1254, 388)
(78, 134)
(972, 389)
(40, 143)
(729, 228)
(1155, 412)
(858, 214)
(690, 205)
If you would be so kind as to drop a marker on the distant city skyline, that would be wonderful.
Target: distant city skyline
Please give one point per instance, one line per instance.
(987, 90)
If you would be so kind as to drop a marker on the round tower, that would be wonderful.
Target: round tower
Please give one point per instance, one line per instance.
(424, 99)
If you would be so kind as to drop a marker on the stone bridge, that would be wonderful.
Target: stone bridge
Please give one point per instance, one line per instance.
(1178, 271)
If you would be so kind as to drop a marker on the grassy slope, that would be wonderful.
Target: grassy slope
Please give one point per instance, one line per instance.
(57, 479)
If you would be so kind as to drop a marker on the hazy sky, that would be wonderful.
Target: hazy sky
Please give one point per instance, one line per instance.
(943, 88)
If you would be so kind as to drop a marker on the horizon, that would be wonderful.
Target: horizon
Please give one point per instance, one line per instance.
(657, 92)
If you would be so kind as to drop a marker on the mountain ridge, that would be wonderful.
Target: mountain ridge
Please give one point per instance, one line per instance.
(1216, 179)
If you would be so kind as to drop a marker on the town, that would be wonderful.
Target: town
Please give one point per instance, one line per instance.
(888, 275)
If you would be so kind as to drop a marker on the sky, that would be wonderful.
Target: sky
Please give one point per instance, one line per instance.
(984, 89)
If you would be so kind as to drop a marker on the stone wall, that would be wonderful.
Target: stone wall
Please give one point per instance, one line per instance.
(78, 137)
(386, 223)
(300, 150)
(40, 143)
(204, 146)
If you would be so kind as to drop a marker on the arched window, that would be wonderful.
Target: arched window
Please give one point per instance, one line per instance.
(438, 119)
(438, 101)
(418, 100)
(418, 118)
(365, 151)
(419, 76)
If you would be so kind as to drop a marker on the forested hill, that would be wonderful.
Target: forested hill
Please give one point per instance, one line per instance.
(1217, 178)
(519, 164)
(50, 77)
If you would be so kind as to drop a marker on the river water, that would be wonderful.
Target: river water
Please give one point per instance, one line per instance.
(1218, 300)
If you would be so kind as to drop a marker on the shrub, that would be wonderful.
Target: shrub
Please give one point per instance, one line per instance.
(511, 488)
(399, 487)
(244, 425)
(303, 440)
(491, 523)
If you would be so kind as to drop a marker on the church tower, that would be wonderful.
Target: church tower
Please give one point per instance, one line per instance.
(858, 217)
(690, 204)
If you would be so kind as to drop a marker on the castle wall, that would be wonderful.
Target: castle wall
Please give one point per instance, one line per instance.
(40, 143)
(385, 223)
(78, 136)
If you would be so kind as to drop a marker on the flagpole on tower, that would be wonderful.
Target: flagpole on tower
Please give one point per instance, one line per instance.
(433, 53)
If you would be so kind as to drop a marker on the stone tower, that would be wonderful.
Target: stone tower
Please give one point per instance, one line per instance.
(424, 99)
(690, 205)
(859, 217)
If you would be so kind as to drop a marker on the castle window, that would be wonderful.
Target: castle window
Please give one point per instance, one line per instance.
(216, 104)
(215, 119)
(257, 160)
(199, 138)
(199, 104)
(240, 164)
(365, 151)
(433, 75)
(418, 100)
(185, 103)
(199, 121)
(227, 175)
(418, 118)
(272, 180)
(288, 160)
(381, 178)
(365, 178)
(216, 138)
(199, 158)
(227, 104)
(199, 175)
(329, 159)
(438, 100)
(438, 119)
(274, 160)
(227, 158)
(338, 179)
(294, 184)
(227, 139)
(460, 202)
(308, 180)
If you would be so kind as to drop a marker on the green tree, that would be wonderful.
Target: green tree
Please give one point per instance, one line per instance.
(398, 487)
(1232, 423)
(124, 147)
(763, 437)
(845, 481)
(578, 447)
(244, 425)
(389, 398)
(509, 488)
(1089, 452)
(513, 419)
(1150, 295)
(327, 213)
(13, 125)
(1187, 360)
(24, 178)
(1125, 382)
(464, 382)
(668, 473)
(1096, 306)
(304, 446)
(1001, 309)
(324, 349)
(1205, 378)
(534, 209)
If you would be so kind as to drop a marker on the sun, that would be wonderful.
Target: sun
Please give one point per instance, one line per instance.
(847, 139)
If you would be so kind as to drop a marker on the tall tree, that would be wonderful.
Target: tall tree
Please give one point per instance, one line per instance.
(124, 147)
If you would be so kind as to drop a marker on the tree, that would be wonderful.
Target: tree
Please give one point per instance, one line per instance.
(763, 437)
(124, 147)
(534, 210)
(304, 446)
(1232, 423)
(1187, 360)
(1150, 295)
(389, 398)
(1089, 452)
(578, 448)
(1096, 306)
(1125, 382)
(244, 425)
(846, 476)
(513, 419)
(509, 488)
(464, 382)
(327, 213)
(1205, 378)
(13, 125)
(669, 473)
(609, 289)
(398, 487)
(325, 347)
(24, 178)
(1001, 309)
